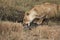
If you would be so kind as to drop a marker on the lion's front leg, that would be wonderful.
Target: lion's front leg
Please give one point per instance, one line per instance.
(38, 21)
(45, 21)
(41, 21)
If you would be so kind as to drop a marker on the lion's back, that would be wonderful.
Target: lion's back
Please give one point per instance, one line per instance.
(46, 8)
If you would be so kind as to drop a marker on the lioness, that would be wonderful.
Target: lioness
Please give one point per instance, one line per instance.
(42, 11)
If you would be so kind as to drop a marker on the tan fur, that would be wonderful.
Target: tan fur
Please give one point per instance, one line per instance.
(47, 10)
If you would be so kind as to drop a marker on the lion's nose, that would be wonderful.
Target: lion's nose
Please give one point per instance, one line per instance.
(25, 24)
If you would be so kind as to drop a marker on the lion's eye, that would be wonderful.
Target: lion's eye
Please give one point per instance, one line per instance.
(27, 13)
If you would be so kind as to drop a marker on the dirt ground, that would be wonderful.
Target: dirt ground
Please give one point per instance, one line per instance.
(16, 31)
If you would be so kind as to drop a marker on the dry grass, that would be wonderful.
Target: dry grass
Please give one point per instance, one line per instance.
(10, 30)
(24, 4)
(15, 31)
(47, 32)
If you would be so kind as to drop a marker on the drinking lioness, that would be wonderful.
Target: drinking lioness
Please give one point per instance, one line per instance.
(42, 11)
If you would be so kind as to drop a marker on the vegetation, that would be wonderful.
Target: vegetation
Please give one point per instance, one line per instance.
(25, 4)
(11, 14)
(15, 31)
(13, 10)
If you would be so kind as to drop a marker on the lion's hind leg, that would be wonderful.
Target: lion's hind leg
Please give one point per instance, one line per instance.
(45, 21)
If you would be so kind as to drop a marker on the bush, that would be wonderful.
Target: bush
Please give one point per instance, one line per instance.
(11, 14)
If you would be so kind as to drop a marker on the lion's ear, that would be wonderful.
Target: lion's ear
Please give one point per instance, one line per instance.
(35, 10)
